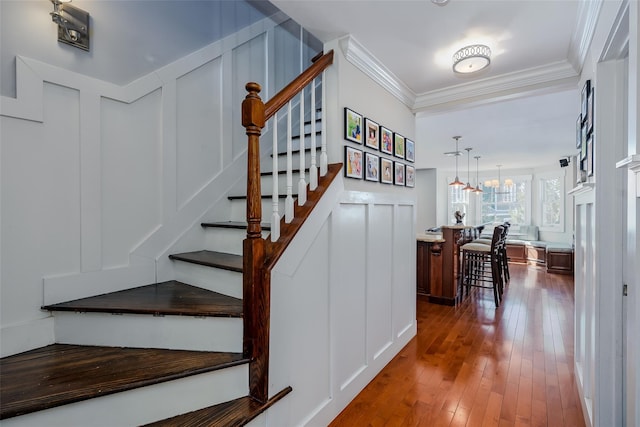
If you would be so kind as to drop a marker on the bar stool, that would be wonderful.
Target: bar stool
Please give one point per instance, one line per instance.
(503, 260)
(481, 264)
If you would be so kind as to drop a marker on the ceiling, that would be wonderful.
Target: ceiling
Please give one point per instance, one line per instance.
(519, 112)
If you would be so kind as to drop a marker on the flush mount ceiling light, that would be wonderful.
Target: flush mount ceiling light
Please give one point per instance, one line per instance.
(471, 58)
(440, 2)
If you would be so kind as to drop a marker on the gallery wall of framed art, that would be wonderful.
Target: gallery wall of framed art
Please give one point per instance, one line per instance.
(585, 135)
(375, 153)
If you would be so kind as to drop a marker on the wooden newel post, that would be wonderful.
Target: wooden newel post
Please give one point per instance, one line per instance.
(255, 284)
(253, 121)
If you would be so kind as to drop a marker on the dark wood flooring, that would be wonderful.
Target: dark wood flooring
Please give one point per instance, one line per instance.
(475, 365)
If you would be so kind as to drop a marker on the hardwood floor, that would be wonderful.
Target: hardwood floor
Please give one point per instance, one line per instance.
(476, 365)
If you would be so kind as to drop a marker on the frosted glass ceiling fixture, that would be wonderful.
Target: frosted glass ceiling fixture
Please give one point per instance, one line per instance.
(471, 58)
(440, 2)
(456, 182)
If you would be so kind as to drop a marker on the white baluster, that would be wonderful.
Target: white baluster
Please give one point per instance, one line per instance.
(313, 168)
(288, 204)
(275, 217)
(302, 183)
(323, 151)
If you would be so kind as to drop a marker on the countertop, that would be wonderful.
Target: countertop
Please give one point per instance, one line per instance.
(431, 238)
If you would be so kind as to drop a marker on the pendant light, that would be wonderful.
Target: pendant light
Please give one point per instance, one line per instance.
(456, 182)
(468, 187)
(477, 190)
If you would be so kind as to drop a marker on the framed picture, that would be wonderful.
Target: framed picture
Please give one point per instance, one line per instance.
(372, 134)
(583, 147)
(353, 162)
(589, 121)
(410, 147)
(590, 156)
(579, 132)
(398, 145)
(398, 175)
(352, 126)
(386, 140)
(372, 167)
(583, 98)
(410, 176)
(581, 175)
(386, 171)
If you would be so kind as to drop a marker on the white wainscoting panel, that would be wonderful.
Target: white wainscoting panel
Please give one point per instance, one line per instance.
(199, 125)
(249, 65)
(343, 304)
(349, 300)
(131, 175)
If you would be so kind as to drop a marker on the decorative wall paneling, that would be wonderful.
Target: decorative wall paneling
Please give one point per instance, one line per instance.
(351, 272)
(122, 173)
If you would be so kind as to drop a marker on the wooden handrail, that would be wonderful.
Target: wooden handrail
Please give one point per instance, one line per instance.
(280, 99)
(256, 274)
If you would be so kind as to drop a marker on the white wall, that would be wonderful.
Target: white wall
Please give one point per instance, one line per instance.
(99, 180)
(343, 303)
(606, 228)
(351, 271)
(349, 87)
(133, 33)
(426, 182)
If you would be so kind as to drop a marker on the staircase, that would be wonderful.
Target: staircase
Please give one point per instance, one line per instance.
(183, 352)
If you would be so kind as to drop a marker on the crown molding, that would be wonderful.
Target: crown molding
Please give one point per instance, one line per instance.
(551, 75)
(366, 62)
(588, 13)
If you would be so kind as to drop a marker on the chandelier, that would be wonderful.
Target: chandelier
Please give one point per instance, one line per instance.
(497, 184)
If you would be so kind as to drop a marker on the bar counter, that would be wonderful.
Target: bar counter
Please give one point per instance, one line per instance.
(438, 262)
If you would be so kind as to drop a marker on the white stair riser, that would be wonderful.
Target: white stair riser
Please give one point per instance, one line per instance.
(295, 160)
(146, 331)
(146, 404)
(239, 209)
(214, 279)
(295, 142)
(227, 240)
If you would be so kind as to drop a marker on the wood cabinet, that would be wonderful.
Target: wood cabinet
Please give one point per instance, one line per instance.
(429, 267)
(439, 264)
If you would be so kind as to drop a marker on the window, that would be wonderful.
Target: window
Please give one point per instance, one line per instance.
(551, 201)
(458, 201)
(507, 203)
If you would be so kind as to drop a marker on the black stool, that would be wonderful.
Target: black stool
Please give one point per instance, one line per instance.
(481, 263)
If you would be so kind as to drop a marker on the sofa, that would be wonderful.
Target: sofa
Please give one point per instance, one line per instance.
(524, 246)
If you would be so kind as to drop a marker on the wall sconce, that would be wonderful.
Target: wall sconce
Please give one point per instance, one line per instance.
(73, 24)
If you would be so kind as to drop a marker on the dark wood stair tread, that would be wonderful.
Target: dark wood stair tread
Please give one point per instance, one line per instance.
(283, 172)
(238, 225)
(234, 413)
(211, 259)
(60, 374)
(166, 298)
(264, 196)
(284, 153)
